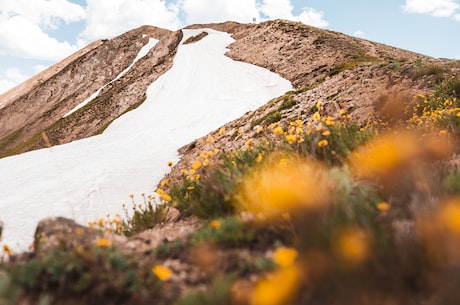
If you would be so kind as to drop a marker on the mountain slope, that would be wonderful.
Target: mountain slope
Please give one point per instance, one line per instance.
(317, 196)
(87, 179)
(25, 117)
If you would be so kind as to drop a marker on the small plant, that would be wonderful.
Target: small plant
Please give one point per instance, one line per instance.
(225, 231)
(144, 216)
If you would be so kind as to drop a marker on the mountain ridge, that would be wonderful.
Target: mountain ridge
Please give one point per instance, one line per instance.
(305, 55)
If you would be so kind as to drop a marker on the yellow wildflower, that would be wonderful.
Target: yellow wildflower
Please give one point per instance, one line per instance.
(343, 111)
(316, 116)
(326, 133)
(278, 130)
(170, 163)
(197, 165)
(248, 144)
(259, 130)
(285, 257)
(323, 143)
(353, 245)
(163, 273)
(291, 138)
(164, 182)
(383, 206)
(7, 250)
(103, 242)
(221, 130)
(450, 216)
(209, 139)
(215, 224)
(319, 104)
(278, 288)
(328, 120)
(259, 157)
(166, 197)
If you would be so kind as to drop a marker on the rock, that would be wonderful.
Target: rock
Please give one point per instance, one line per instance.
(58, 233)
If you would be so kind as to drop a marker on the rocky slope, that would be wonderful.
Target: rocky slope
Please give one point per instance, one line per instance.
(38, 105)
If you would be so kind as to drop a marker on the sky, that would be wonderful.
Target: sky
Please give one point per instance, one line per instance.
(35, 34)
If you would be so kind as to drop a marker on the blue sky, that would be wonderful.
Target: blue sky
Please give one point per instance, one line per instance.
(35, 34)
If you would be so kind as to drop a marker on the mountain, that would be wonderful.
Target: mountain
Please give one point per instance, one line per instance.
(199, 100)
(304, 55)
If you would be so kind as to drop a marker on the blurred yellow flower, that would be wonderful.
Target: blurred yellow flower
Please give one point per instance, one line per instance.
(283, 184)
(316, 116)
(209, 139)
(343, 111)
(383, 206)
(323, 143)
(326, 133)
(259, 157)
(450, 216)
(196, 165)
(7, 250)
(163, 273)
(248, 144)
(215, 224)
(285, 257)
(170, 163)
(278, 130)
(103, 242)
(278, 288)
(291, 138)
(385, 154)
(353, 245)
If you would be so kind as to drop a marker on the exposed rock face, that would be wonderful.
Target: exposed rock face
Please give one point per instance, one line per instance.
(39, 104)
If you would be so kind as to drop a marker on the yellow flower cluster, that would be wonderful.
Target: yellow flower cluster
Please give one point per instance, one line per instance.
(108, 224)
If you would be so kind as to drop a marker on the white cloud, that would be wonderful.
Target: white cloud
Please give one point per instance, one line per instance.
(46, 13)
(457, 17)
(436, 8)
(21, 38)
(312, 17)
(208, 11)
(23, 25)
(283, 9)
(277, 9)
(106, 19)
(359, 33)
(39, 68)
(10, 78)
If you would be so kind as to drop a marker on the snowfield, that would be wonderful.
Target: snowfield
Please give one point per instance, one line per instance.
(86, 179)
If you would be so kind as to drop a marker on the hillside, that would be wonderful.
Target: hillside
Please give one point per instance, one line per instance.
(344, 190)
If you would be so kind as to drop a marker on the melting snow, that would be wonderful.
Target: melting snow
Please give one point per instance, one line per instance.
(89, 178)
